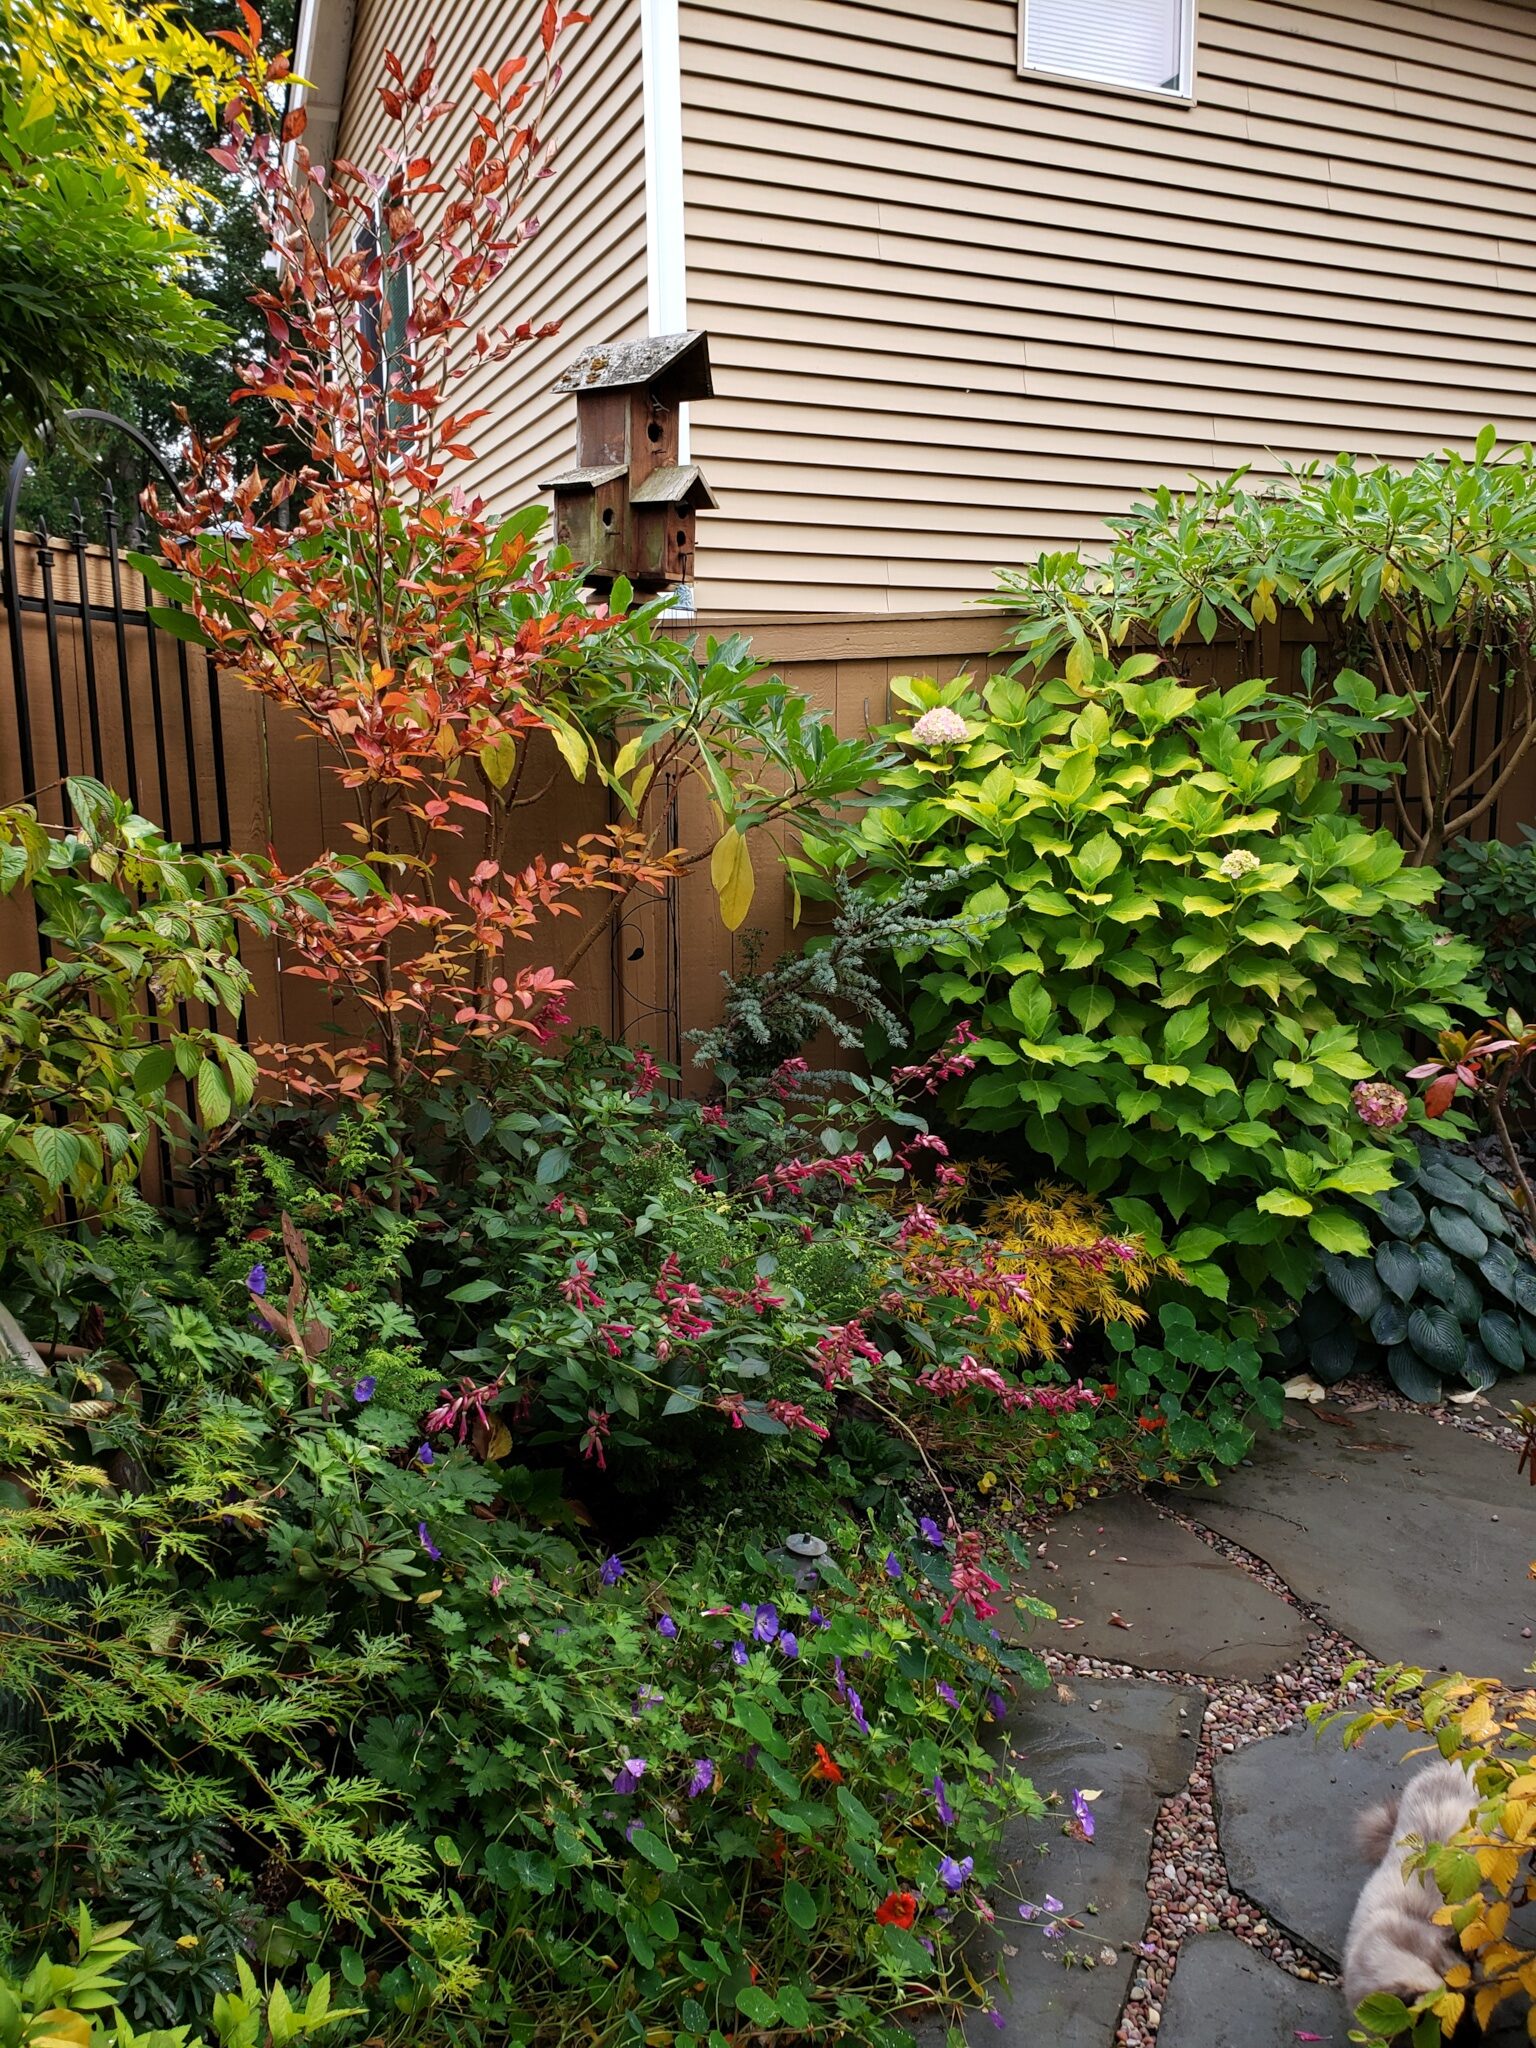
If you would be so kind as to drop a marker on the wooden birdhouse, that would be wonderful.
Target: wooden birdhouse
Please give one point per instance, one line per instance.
(628, 507)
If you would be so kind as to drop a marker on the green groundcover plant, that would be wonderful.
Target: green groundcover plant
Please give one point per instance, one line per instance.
(1199, 972)
(503, 1787)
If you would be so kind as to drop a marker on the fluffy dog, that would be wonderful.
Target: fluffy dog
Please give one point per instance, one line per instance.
(1394, 1943)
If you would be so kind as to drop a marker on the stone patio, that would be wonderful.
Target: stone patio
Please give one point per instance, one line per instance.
(1407, 1537)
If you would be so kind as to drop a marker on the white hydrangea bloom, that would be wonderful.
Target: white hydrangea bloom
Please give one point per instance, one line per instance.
(941, 727)
(1238, 862)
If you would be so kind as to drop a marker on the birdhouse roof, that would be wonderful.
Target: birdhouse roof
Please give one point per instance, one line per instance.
(678, 484)
(677, 365)
(584, 479)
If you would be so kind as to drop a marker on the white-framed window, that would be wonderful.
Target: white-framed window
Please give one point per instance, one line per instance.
(383, 320)
(1144, 46)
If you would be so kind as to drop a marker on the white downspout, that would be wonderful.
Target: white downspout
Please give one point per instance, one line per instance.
(666, 248)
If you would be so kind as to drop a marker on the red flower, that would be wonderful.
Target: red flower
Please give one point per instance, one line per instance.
(827, 1769)
(896, 1909)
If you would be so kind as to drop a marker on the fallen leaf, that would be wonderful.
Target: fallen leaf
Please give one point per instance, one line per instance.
(1304, 1388)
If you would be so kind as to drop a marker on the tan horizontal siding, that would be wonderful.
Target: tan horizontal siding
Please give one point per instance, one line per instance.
(586, 268)
(957, 315)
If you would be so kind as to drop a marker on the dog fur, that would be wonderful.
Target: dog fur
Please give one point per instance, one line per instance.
(1394, 1943)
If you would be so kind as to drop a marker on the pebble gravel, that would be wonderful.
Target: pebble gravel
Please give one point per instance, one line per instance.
(1187, 1888)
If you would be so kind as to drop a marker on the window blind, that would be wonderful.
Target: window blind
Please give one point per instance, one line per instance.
(1122, 42)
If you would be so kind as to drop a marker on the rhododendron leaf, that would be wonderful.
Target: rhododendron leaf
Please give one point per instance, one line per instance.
(730, 869)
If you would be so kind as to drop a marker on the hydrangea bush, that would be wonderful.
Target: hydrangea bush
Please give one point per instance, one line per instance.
(1189, 956)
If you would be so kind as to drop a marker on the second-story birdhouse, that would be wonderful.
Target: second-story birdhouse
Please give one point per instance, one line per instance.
(628, 507)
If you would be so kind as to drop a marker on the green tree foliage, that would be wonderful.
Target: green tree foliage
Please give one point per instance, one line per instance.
(1419, 583)
(95, 241)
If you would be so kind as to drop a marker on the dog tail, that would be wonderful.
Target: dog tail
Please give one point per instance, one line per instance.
(1376, 1830)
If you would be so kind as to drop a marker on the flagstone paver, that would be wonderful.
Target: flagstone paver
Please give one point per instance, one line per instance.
(1129, 1740)
(1180, 1606)
(1412, 1538)
(1286, 1811)
(1393, 1532)
(1225, 1995)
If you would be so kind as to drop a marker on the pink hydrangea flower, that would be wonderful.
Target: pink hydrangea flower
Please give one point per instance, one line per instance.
(941, 727)
(1379, 1104)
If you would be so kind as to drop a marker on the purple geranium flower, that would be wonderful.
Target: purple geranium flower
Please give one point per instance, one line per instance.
(738, 1653)
(612, 1571)
(256, 1280)
(1082, 1814)
(365, 1388)
(856, 1708)
(789, 1644)
(703, 1777)
(816, 1619)
(426, 1542)
(892, 1565)
(1053, 1905)
(941, 1801)
(666, 1627)
(765, 1623)
(952, 1874)
(1027, 1911)
(426, 1455)
(997, 1706)
(839, 1679)
(628, 1779)
(931, 1532)
(947, 1694)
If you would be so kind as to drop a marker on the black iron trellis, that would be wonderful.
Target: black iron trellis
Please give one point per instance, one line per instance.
(103, 634)
(178, 797)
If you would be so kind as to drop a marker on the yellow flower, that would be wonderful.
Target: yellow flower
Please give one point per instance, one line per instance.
(986, 1482)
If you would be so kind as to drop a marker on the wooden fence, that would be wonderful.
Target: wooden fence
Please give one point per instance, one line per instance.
(88, 684)
(91, 685)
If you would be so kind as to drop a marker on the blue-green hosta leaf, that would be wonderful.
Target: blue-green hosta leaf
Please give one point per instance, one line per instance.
(1333, 1358)
(1479, 1371)
(1466, 1302)
(1402, 1215)
(1500, 1336)
(1411, 1376)
(1399, 1270)
(1437, 1269)
(1438, 1338)
(1389, 1325)
(1457, 1232)
(1356, 1283)
(1499, 1269)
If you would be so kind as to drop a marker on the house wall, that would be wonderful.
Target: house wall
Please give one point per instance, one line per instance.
(957, 316)
(587, 266)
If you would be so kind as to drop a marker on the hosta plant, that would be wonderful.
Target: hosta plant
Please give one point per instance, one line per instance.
(1196, 973)
(1446, 1296)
